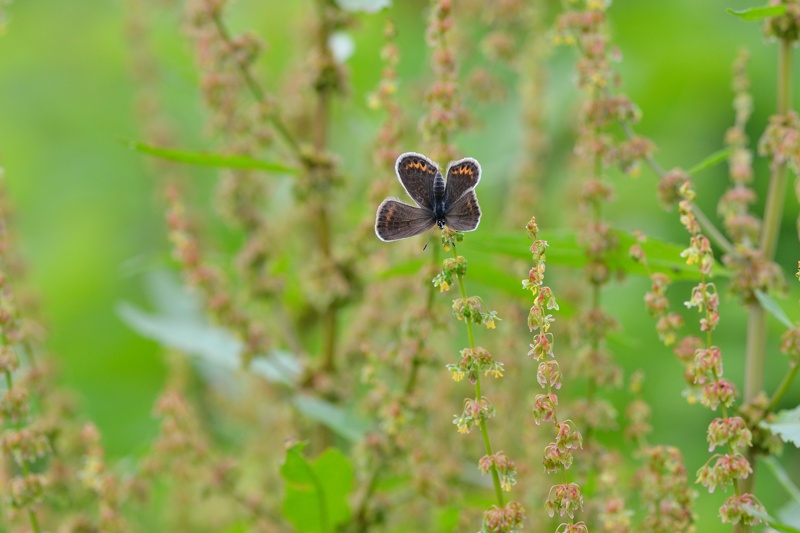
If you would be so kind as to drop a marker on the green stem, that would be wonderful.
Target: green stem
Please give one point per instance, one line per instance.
(773, 213)
(783, 388)
(487, 444)
(754, 359)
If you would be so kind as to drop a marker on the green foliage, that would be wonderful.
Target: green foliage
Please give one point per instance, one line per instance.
(786, 425)
(754, 14)
(316, 490)
(210, 160)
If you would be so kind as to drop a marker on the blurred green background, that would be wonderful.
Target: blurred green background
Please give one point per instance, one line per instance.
(90, 221)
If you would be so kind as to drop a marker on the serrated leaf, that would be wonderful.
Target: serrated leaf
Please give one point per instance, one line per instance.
(316, 492)
(714, 159)
(752, 14)
(210, 159)
(786, 425)
(772, 307)
(344, 423)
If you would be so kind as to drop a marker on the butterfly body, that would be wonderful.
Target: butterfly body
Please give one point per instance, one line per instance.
(452, 203)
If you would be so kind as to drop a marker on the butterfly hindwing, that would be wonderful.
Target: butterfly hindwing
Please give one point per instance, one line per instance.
(465, 214)
(396, 220)
(462, 175)
(416, 172)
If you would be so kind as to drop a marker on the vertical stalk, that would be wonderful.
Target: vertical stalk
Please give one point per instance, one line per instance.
(773, 211)
(320, 210)
(487, 444)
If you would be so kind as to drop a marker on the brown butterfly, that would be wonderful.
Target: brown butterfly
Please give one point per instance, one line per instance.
(452, 203)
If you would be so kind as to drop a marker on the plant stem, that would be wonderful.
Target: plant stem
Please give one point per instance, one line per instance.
(773, 213)
(487, 444)
(783, 388)
(321, 213)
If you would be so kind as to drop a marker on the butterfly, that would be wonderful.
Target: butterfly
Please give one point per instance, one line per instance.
(452, 203)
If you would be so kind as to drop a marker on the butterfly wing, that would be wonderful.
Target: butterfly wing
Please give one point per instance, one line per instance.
(416, 172)
(462, 175)
(396, 220)
(465, 214)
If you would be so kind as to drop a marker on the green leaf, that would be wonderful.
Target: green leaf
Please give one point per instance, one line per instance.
(315, 499)
(772, 307)
(714, 159)
(211, 160)
(345, 424)
(786, 425)
(752, 14)
(782, 476)
(179, 324)
(565, 250)
(772, 522)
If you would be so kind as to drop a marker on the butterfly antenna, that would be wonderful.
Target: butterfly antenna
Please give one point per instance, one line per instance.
(429, 238)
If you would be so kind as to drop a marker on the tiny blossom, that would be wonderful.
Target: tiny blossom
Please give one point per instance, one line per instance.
(542, 346)
(473, 414)
(14, 405)
(473, 362)
(25, 445)
(544, 408)
(555, 459)
(577, 527)
(26, 491)
(473, 309)
(549, 374)
(506, 469)
(734, 510)
(686, 349)
(707, 364)
(790, 345)
(731, 430)
(670, 185)
(564, 499)
(566, 438)
(9, 361)
(503, 520)
(718, 392)
(724, 471)
(668, 326)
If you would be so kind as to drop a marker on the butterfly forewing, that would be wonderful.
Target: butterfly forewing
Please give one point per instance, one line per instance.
(462, 175)
(416, 172)
(396, 220)
(465, 214)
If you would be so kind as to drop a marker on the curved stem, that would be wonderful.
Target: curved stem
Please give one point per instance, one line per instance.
(783, 388)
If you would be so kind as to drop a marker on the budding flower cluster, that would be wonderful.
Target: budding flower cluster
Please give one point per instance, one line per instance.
(705, 369)
(475, 362)
(565, 498)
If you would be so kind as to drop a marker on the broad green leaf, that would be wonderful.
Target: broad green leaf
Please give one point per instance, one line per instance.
(714, 159)
(565, 250)
(772, 307)
(316, 492)
(752, 14)
(211, 160)
(786, 425)
(179, 323)
(346, 424)
(772, 522)
(783, 477)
